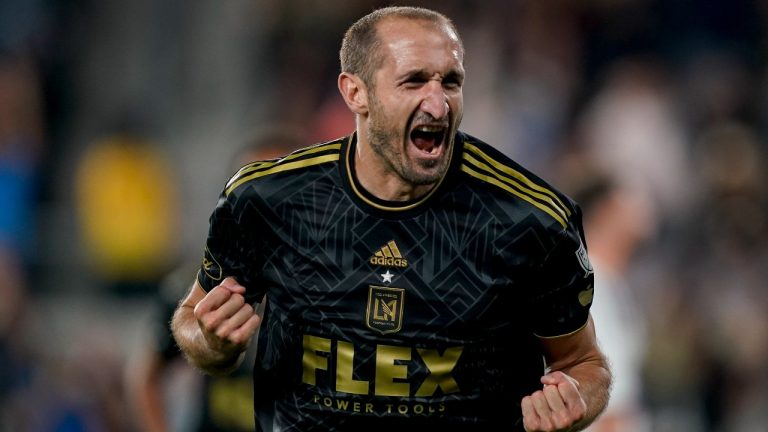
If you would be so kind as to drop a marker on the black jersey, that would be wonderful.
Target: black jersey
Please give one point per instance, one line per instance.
(381, 314)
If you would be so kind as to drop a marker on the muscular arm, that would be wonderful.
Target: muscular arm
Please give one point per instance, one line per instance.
(214, 329)
(576, 387)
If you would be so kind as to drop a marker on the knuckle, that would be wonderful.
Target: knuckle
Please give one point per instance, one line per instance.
(199, 312)
(238, 299)
(561, 420)
(580, 409)
(531, 423)
(580, 412)
(209, 322)
(222, 333)
(238, 339)
(545, 424)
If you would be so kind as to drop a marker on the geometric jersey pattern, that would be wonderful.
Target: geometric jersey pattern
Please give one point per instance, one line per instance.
(381, 313)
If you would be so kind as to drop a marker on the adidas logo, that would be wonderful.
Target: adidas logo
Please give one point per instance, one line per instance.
(389, 255)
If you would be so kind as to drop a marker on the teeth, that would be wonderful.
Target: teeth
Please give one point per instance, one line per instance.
(429, 129)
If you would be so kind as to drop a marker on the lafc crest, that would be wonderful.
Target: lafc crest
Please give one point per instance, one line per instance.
(385, 309)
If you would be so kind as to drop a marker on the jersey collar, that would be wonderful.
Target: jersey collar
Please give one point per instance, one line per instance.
(391, 209)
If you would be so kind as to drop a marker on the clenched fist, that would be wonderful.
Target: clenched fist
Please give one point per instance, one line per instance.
(228, 323)
(557, 407)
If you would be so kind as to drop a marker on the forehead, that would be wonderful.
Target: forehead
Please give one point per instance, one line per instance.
(408, 43)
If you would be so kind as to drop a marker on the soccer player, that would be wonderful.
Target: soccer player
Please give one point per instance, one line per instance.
(415, 277)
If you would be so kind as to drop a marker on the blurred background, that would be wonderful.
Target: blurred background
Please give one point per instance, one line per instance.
(120, 122)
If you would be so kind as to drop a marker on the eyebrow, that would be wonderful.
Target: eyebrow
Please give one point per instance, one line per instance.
(453, 74)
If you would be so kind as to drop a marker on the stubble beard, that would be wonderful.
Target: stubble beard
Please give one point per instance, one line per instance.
(385, 141)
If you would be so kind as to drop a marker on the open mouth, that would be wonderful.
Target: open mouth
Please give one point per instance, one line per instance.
(428, 138)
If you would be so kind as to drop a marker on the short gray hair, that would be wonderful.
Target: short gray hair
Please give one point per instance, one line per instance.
(360, 50)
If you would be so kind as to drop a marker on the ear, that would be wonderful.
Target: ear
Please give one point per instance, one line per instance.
(354, 92)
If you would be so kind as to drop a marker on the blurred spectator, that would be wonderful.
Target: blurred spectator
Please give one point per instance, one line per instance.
(21, 150)
(728, 247)
(633, 132)
(128, 211)
(538, 81)
(21, 146)
(13, 291)
(217, 403)
(618, 220)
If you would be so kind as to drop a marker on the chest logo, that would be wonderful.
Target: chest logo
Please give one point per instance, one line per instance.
(384, 311)
(389, 255)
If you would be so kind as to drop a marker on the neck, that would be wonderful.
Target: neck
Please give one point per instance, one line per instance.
(380, 180)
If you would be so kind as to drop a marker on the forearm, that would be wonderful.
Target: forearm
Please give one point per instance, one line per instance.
(577, 357)
(189, 337)
(594, 378)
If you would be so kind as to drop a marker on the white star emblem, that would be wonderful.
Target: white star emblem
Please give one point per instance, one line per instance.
(387, 277)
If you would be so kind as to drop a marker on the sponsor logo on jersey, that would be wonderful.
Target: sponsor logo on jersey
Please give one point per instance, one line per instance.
(389, 255)
(384, 312)
(210, 266)
(393, 373)
(583, 257)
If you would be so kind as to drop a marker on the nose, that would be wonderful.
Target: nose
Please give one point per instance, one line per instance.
(435, 102)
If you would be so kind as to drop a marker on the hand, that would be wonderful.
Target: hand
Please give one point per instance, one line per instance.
(556, 407)
(228, 323)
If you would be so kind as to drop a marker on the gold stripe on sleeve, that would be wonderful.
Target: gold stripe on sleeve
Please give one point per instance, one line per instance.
(543, 199)
(282, 167)
(517, 175)
(496, 182)
(257, 166)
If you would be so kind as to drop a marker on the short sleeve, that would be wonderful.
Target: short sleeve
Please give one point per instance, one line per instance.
(565, 286)
(231, 249)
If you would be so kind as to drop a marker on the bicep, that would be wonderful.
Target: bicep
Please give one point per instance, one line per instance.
(234, 248)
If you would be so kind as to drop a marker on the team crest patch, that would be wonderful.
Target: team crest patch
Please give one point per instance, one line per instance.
(385, 309)
(211, 267)
(581, 254)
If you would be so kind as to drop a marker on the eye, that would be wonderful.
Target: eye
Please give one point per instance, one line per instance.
(452, 82)
(414, 81)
